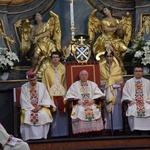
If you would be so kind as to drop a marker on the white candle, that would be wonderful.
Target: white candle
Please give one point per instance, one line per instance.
(71, 13)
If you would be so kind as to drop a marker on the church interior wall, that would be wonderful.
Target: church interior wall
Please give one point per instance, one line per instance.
(82, 9)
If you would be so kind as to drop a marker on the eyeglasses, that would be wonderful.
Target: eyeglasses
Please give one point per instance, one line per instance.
(138, 71)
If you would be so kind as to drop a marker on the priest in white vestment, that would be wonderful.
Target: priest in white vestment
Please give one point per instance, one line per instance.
(35, 103)
(9, 142)
(86, 115)
(137, 92)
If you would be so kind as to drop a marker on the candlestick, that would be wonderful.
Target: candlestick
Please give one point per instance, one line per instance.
(71, 13)
(72, 20)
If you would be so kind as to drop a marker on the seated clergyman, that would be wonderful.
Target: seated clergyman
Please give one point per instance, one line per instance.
(9, 142)
(137, 92)
(86, 115)
(35, 102)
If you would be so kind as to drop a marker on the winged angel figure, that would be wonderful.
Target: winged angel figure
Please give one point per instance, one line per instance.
(113, 32)
(45, 36)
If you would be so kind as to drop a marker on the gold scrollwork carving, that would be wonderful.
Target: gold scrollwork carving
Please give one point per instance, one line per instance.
(124, 1)
(14, 2)
(4, 35)
(144, 24)
(114, 32)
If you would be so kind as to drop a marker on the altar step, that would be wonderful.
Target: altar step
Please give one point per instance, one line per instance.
(95, 143)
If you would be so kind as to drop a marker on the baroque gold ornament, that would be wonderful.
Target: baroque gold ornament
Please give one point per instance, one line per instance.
(113, 32)
(14, 2)
(45, 36)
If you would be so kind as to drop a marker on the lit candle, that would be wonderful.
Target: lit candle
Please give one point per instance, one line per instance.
(71, 13)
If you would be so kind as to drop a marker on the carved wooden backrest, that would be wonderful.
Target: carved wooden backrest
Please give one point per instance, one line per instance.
(73, 70)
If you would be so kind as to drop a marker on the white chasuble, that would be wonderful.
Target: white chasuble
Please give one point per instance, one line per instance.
(133, 92)
(139, 113)
(85, 93)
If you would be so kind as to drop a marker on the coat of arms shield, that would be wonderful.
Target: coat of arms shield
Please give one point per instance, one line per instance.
(81, 50)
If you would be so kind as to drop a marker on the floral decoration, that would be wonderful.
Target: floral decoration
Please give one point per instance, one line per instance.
(89, 115)
(140, 50)
(8, 60)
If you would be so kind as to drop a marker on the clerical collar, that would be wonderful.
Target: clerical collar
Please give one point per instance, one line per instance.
(138, 79)
(33, 87)
(109, 64)
(55, 66)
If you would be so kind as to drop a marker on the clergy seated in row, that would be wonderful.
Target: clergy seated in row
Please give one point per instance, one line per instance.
(35, 103)
(86, 115)
(9, 142)
(137, 92)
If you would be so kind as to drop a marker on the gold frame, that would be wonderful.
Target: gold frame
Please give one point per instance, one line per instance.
(142, 15)
(6, 43)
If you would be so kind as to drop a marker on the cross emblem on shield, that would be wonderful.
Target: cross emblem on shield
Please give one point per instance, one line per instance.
(81, 48)
(82, 53)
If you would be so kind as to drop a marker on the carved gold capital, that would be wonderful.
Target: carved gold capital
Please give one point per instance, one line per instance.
(144, 24)
(124, 0)
(14, 2)
(4, 2)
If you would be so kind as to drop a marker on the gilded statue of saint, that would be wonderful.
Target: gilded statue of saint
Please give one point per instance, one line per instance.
(45, 36)
(113, 32)
(145, 29)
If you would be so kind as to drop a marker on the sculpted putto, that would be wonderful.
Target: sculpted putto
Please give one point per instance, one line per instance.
(113, 32)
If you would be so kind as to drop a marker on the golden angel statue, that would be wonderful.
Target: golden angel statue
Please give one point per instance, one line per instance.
(113, 32)
(45, 36)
